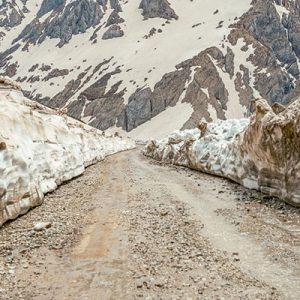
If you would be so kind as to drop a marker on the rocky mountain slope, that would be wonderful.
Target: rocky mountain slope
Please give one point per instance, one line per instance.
(40, 149)
(168, 64)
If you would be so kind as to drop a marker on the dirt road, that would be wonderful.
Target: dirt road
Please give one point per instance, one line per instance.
(130, 228)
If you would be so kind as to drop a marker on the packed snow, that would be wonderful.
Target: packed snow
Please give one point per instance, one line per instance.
(263, 154)
(40, 149)
(208, 151)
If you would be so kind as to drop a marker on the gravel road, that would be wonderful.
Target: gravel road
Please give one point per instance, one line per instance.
(130, 228)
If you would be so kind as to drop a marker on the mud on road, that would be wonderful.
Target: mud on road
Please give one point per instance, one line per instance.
(130, 228)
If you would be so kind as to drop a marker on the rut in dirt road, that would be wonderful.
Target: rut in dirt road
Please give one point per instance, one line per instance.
(130, 228)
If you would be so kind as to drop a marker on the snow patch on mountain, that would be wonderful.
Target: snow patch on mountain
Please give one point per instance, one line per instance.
(163, 124)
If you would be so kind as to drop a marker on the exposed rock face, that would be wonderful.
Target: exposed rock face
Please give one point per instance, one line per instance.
(40, 149)
(257, 56)
(114, 31)
(145, 104)
(138, 110)
(56, 73)
(76, 17)
(49, 5)
(114, 18)
(264, 155)
(11, 14)
(157, 9)
(114, 4)
(276, 46)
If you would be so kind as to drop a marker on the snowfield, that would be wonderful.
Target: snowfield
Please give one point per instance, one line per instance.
(263, 154)
(39, 150)
(141, 61)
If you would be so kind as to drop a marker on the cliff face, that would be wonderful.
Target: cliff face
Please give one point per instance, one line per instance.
(63, 22)
(272, 28)
(115, 63)
(11, 13)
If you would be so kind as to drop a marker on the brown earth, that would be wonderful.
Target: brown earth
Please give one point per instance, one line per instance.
(130, 228)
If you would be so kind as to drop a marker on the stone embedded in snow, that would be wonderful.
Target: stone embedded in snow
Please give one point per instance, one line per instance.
(202, 126)
(157, 9)
(114, 31)
(40, 149)
(263, 154)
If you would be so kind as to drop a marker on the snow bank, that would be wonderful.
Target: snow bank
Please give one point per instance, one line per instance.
(40, 149)
(262, 154)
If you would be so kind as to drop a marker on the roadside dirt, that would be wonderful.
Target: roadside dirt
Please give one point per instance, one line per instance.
(130, 228)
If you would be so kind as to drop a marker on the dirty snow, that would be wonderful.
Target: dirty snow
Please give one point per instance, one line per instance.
(40, 149)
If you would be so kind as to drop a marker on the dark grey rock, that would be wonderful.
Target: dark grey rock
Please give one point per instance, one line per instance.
(145, 104)
(74, 18)
(276, 43)
(275, 40)
(114, 18)
(114, 31)
(115, 4)
(157, 9)
(10, 14)
(56, 73)
(229, 62)
(293, 27)
(138, 110)
(49, 5)
(5, 55)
